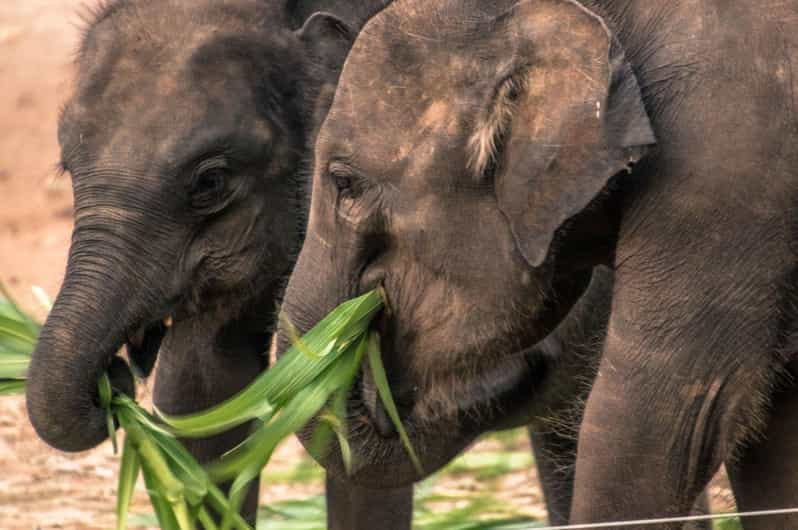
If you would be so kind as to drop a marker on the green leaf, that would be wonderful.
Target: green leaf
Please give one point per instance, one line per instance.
(9, 309)
(206, 520)
(128, 474)
(106, 395)
(384, 390)
(11, 388)
(14, 365)
(137, 414)
(161, 506)
(17, 334)
(221, 505)
(732, 523)
(182, 465)
(305, 514)
(245, 462)
(330, 338)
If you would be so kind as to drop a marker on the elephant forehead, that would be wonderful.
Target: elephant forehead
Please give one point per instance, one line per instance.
(426, 113)
(151, 115)
(419, 73)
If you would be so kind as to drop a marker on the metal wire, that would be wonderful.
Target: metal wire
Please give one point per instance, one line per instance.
(665, 520)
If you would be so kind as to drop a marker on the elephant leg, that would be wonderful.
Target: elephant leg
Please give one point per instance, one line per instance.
(555, 459)
(764, 474)
(701, 507)
(680, 385)
(196, 372)
(640, 464)
(350, 507)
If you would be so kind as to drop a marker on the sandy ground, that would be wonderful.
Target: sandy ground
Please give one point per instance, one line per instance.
(39, 487)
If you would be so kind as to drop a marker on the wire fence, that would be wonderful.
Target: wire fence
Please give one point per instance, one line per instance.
(667, 520)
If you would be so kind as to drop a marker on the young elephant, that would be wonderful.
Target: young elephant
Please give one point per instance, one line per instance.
(502, 173)
(186, 140)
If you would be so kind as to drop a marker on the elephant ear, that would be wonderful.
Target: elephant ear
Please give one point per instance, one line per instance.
(574, 119)
(327, 38)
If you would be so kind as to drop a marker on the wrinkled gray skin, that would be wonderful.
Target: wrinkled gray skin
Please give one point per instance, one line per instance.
(187, 139)
(481, 157)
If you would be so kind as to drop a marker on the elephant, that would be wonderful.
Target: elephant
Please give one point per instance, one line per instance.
(187, 140)
(480, 159)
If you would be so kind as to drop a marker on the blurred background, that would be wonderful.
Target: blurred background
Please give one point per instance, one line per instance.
(43, 489)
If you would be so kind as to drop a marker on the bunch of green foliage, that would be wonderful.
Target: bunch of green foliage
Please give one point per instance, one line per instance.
(311, 379)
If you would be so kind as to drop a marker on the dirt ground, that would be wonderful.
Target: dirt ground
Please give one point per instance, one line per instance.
(39, 487)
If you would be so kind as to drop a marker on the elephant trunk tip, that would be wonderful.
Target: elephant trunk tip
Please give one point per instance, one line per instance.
(62, 397)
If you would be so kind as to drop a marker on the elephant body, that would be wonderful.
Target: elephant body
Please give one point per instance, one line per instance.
(522, 144)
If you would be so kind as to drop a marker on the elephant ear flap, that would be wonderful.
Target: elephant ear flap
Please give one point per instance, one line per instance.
(626, 118)
(577, 119)
(328, 39)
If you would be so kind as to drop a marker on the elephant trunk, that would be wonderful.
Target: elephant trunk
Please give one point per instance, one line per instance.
(318, 283)
(86, 327)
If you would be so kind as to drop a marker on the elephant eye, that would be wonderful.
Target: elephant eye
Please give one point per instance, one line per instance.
(209, 187)
(348, 185)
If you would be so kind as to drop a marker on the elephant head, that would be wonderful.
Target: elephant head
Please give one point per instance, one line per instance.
(465, 143)
(186, 141)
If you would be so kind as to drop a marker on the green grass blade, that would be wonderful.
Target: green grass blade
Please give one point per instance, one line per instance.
(204, 518)
(17, 331)
(384, 390)
(160, 505)
(12, 388)
(221, 505)
(295, 370)
(128, 474)
(153, 462)
(14, 365)
(182, 465)
(137, 414)
(11, 310)
(245, 462)
(106, 396)
(339, 428)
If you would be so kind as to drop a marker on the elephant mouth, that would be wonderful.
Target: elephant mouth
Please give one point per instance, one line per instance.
(143, 344)
(497, 398)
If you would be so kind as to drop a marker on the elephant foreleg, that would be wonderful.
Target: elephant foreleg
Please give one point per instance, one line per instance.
(674, 396)
(353, 508)
(764, 474)
(555, 458)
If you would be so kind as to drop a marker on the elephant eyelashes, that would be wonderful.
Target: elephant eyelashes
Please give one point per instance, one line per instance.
(347, 184)
(486, 143)
(209, 187)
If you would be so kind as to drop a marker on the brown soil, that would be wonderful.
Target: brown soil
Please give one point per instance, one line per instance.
(39, 487)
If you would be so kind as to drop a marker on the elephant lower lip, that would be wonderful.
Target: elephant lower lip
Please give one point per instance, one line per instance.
(142, 347)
